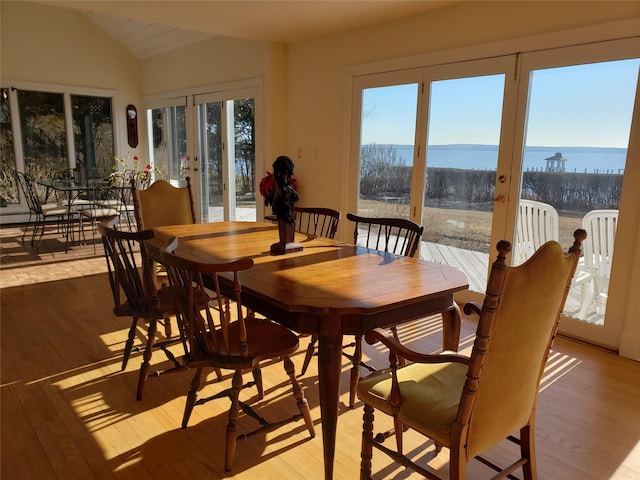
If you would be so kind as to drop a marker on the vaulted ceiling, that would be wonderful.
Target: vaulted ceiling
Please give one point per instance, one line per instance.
(152, 27)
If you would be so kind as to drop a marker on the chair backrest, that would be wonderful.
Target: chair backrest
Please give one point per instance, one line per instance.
(26, 184)
(132, 288)
(394, 235)
(601, 226)
(207, 330)
(317, 221)
(516, 329)
(163, 204)
(536, 224)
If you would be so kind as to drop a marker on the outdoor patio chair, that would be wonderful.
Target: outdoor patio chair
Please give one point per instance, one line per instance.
(469, 404)
(536, 224)
(595, 270)
(103, 204)
(40, 212)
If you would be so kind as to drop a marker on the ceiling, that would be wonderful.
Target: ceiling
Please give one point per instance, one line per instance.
(151, 27)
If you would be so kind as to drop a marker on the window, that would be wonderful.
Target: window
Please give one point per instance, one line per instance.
(8, 187)
(48, 131)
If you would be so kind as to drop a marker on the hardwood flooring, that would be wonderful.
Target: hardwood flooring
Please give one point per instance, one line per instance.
(68, 412)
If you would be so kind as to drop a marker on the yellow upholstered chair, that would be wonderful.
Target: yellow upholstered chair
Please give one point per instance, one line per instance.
(163, 204)
(468, 404)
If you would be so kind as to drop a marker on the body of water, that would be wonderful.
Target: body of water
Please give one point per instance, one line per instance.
(484, 157)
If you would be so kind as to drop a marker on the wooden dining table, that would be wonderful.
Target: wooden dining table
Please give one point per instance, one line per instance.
(329, 288)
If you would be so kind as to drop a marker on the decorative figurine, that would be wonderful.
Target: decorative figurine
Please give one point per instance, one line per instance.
(283, 201)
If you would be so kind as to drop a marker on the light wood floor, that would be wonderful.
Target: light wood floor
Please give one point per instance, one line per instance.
(68, 412)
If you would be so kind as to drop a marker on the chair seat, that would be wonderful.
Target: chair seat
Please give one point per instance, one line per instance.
(111, 202)
(266, 340)
(100, 212)
(431, 395)
(166, 300)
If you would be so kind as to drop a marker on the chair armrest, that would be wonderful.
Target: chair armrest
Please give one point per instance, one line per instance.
(472, 307)
(395, 347)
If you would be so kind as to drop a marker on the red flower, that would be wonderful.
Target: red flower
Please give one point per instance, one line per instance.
(268, 187)
(135, 158)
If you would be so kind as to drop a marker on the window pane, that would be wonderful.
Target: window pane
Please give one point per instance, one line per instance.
(578, 124)
(8, 187)
(93, 135)
(212, 178)
(43, 133)
(177, 143)
(245, 141)
(388, 128)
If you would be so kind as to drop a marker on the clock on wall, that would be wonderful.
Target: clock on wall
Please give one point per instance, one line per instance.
(132, 126)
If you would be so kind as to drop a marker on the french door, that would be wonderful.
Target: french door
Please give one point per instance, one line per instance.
(573, 135)
(456, 147)
(430, 146)
(226, 139)
(168, 140)
(210, 138)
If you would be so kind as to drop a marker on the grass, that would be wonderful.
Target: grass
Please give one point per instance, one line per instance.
(468, 229)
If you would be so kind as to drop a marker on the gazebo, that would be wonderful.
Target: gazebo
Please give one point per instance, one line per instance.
(555, 163)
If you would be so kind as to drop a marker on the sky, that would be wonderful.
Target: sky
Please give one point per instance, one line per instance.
(585, 105)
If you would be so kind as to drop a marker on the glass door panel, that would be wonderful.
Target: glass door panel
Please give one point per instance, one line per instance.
(211, 161)
(574, 159)
(226, 139)
(388, 126)
(169, 144)
(244, 119)
(44, 134)
(463, 136)
(8, 186)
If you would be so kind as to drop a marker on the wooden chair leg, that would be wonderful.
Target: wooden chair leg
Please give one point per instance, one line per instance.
(366, 454)
(528, 451)
(167, 326)
(196, 385)
(129, 343)
(146, 358)
(311, 349)
(355, 370)
(257, 377)
(301, 401)
(398, 429)
(232, 426)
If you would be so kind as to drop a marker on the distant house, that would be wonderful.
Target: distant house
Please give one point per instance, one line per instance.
(555, 163)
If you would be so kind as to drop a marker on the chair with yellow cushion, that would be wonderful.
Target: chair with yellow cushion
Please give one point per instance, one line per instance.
(162, 204)
(469, 404)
